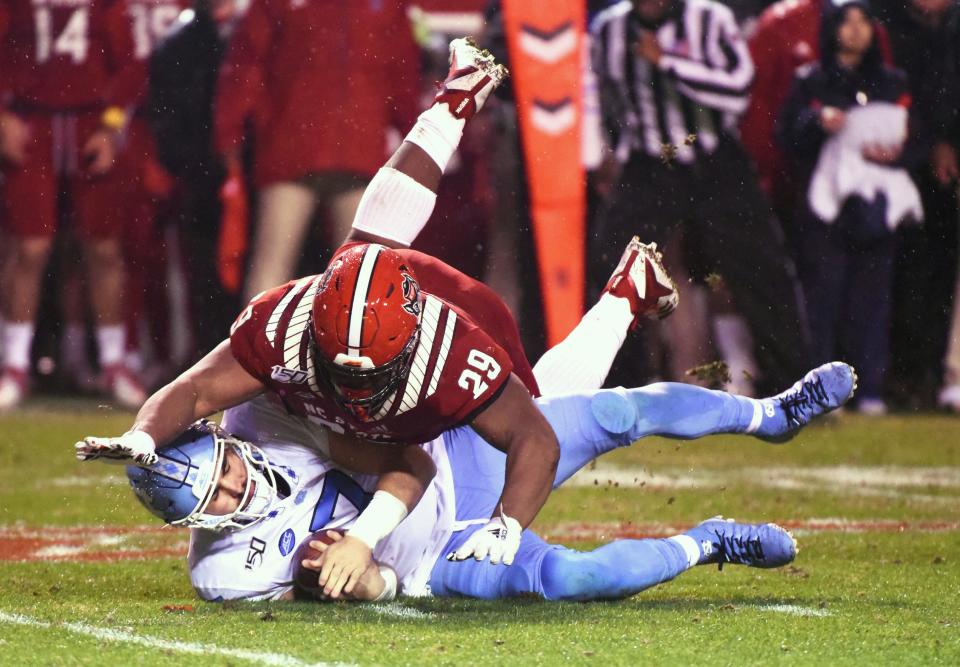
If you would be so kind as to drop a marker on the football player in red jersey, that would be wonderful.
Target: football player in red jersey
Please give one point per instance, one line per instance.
(143, 185)
(147, 188)
(362, 351)
(67, 74)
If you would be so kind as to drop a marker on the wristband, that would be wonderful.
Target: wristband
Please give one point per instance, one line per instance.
(114, 118)
(390, 584)
(140, 440)
(382, 515)
(437, 133)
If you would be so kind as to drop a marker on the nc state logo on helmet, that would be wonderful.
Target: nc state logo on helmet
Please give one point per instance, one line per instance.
(365, 324)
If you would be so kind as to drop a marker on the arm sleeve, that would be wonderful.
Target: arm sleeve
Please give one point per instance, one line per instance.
(798, 125)
(474, 386)
(241, 76)
(722, 79)
(248, 341)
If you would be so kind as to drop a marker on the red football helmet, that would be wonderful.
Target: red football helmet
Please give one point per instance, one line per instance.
(365, 325)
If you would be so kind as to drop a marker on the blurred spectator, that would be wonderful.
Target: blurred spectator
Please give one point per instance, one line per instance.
(674, 77)
(322, 82)
(183, 76)
(144, 188)
(925, 35)
(148, 189)
(68, 74)
(786, 37)
(845, 122)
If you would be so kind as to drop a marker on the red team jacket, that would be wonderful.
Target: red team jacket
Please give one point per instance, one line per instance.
(458, 368)
(67, 55)
(323, 80)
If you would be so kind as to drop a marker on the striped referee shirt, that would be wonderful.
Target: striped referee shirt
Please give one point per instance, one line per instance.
(683, 106)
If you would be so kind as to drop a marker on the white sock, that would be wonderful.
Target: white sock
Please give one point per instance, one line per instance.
(689, 546)
(17, 339)
(394, 206)
(582, 360)
(112, 343)
(438, 133)
(735, 343)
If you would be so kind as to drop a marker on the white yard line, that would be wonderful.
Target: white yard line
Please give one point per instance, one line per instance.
(81, 481)
(194, 648)
(397, 610)
(793, 610)
(58, 551)
(877, 481)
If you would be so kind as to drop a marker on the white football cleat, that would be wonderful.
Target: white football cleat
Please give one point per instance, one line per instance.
(949, 398)
(14, 388)
(871, 407)
(474, 74)
(124, 387)
(641, 279)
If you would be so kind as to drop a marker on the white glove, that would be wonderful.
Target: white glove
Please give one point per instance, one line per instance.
(499, 539)
(131, 447)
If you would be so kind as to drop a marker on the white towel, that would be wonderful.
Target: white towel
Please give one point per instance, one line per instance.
(842, 171)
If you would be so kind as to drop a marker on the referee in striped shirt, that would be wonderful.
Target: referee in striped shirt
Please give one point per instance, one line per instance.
(673, 76)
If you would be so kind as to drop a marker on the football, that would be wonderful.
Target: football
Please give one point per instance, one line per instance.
(306, 580)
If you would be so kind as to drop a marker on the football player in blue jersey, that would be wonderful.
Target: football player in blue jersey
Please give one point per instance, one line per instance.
(252, 506)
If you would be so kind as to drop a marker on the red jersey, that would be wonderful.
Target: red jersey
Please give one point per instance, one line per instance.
(323, 80)
(457, 368)
(62, 55)
(151, 21)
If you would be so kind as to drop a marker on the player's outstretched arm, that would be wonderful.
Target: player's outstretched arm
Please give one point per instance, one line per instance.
(514, 425)
(399, 200)
(404, 472)
(214, 383)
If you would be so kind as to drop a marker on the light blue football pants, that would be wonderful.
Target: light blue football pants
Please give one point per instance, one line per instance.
(587, 425)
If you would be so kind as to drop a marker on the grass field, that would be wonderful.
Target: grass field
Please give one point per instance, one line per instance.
(89, 579)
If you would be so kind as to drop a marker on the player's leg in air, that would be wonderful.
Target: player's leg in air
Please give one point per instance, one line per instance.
(639, 287)
(399, 200)
(590, 424)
